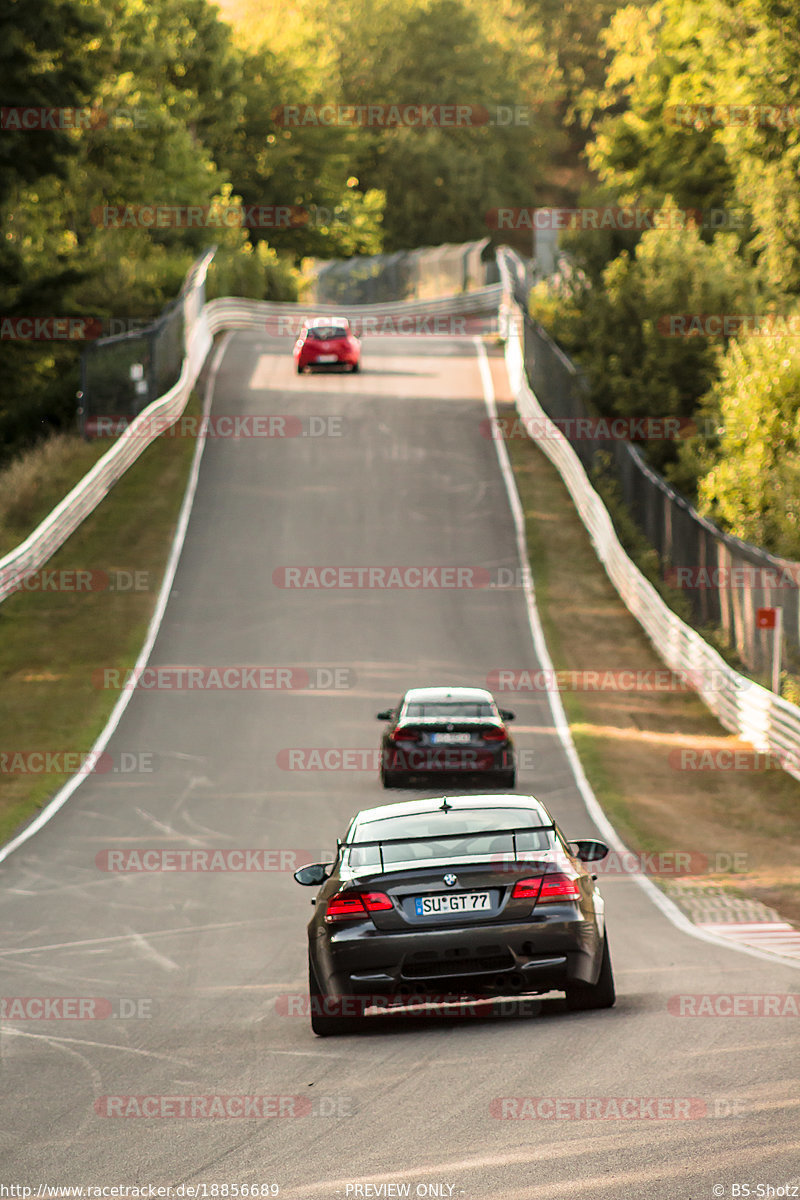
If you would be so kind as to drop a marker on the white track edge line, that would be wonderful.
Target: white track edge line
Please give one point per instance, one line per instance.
(64, 793)
(607, 830)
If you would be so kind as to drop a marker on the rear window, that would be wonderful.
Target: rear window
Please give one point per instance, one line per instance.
(448, 710)
(326, 333)
(433, 835)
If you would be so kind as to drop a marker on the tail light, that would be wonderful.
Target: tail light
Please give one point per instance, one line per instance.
(526, 889)
(493, 734)
(547, 889)
(354, 906)
(405, 735)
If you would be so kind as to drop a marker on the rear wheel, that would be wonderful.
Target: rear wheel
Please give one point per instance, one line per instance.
(583, 996)
(356, 368)
(323, 1023)
(391, 779)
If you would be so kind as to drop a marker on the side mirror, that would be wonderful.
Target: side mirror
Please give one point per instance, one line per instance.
(507, 714)
(589, 850)
(386, 715)
(314, 874)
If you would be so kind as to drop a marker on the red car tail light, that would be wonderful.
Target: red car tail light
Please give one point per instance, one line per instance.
(345, 906)
(354, 906)
(526, 889)
(559, 887)
(405, 735)
(494, 734)
(547, 889)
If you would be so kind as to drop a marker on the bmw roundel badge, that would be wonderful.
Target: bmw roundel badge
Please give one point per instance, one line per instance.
(450, 879)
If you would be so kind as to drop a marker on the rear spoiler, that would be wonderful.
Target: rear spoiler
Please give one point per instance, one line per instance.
(443, 837)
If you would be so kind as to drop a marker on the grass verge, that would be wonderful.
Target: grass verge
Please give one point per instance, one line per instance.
(662, 767)
(33, 484)
(51, 641)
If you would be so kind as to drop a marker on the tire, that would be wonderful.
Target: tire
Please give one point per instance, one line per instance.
(391, 779)
(322, 1025)
(507, 778)
(299, 370)
(356, 368)
(583, 996)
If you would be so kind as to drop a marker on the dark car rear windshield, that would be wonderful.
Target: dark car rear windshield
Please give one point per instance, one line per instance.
(430, 842)
(327, 333)
(447, 710)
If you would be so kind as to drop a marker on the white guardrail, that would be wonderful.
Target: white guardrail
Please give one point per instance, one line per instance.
(770, 724)
(759, 716)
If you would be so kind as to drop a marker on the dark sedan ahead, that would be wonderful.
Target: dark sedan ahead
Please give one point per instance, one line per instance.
(467, 895)
(447, 731)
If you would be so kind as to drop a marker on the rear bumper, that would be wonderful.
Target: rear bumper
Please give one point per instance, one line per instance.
(430, 761)
(559, 949)
(342, 360)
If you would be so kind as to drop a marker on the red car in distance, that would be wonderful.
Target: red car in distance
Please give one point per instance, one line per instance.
(327, 342)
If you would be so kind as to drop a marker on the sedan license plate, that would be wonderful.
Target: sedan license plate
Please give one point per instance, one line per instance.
(431, 906)
(327, 358)
(451, 739)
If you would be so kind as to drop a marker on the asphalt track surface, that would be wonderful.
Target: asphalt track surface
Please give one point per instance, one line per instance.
(206, 959)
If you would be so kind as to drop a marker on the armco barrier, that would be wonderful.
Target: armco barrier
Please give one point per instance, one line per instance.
(762, 718)
(215, 317)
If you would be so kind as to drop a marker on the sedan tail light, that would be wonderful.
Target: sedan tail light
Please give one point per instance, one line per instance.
(559, 887)
(494, 734)
(405, 735)
(526, 889)
(354, 906)
(547, 889)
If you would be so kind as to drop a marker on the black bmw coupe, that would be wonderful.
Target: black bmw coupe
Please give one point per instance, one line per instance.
(463, 895)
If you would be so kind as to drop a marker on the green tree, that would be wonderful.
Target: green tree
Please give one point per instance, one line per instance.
(439, 183)
(751, 483)
(623, 330)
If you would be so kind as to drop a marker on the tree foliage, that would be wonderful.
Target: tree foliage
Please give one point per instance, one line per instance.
(752, 471)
